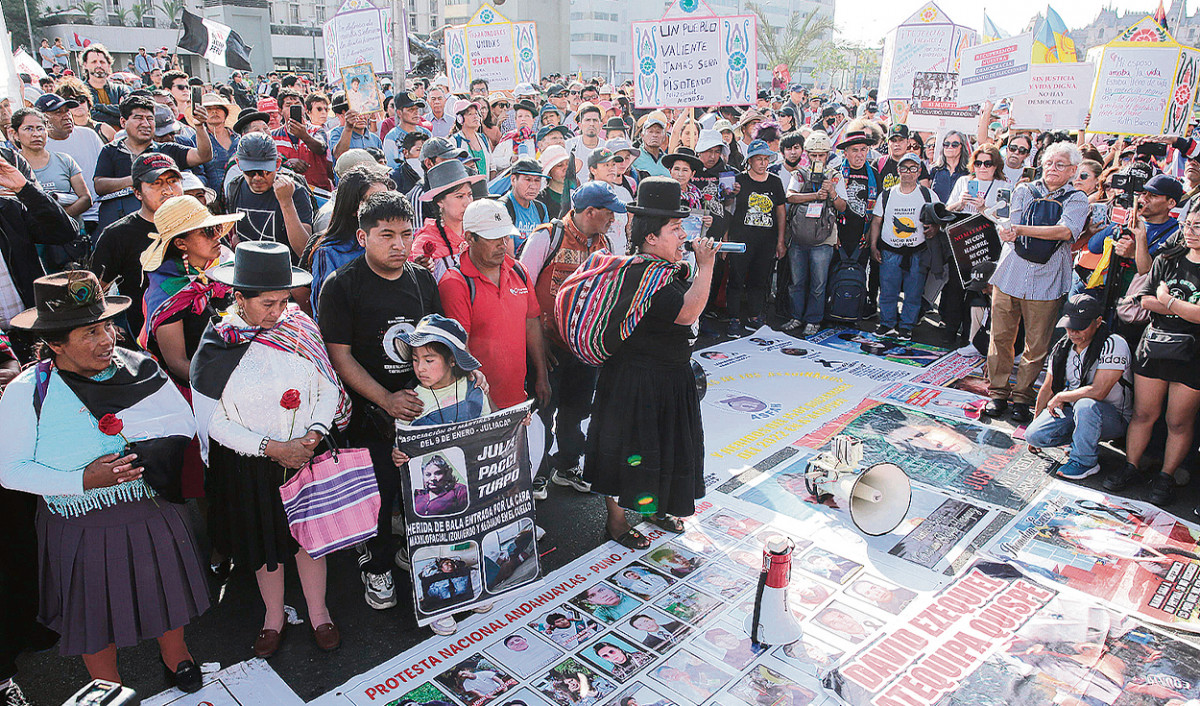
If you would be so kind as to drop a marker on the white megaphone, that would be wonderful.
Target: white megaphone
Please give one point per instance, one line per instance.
(876, 498)
(772, 623)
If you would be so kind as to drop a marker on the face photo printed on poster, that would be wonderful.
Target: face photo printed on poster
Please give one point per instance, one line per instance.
(510, 556)
(428, 694)
(523, 653)
(446, 575)
(674, 560)
(827, 565)
(476, 680)
(572, 683)
(439, 476)
(763, 685)
(733, 524)
(641, 581)
(605, 603)
(810, 655)
(687, 603)
(847, 623)
(721, 581)
(691, 676)
(654, 629)
(617, 657)
(567, 627)
(729, 643)
(885, 596)
(704, 541)
(638, 694)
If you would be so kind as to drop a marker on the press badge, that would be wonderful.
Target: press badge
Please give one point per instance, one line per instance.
(814, 209)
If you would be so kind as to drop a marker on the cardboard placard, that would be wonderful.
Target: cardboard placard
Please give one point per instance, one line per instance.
(1059, 97)
(492, 48)
(973, 241)
(996, 70)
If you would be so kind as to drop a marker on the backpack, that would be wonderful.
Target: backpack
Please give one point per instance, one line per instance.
(1043, 210)
(517, 267)
(847, 288)
(805, 231)
(542, 211)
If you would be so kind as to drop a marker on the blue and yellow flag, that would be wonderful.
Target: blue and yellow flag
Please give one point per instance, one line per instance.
(1045, 51)
(1066, 45)
(990, 31)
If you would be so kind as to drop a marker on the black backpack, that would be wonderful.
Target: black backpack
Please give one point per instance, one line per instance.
(1041, 211)
(847, 288)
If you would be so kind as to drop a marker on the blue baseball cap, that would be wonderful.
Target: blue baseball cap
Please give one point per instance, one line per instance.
(597, 194)
(910, 157)
(758, 147)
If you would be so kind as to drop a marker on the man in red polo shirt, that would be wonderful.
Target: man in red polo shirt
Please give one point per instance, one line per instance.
(490, 294)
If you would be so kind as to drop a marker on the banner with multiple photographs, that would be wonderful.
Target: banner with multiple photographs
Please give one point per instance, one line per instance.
(469, 511)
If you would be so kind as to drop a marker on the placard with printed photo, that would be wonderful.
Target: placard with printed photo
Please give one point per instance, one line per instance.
(721, 580)
(605, 603)
(729, 644)
(567, 627)
(827, 565)
(674, 560)
(616, 657)
(847, 623)
(522, 653)
(573, 683)
(641, 581)
(690, 676)
(732, 523)
(362, 88)
(687, 603)
(476, 680)
(639, 694)
(810, 655)
(881, 594)
(654, 629)
(763, 685)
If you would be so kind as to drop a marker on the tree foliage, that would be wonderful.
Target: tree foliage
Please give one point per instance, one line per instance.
(14, 17)
(795, 44)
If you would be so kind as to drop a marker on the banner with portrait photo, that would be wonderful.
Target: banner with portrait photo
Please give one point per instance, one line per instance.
(935, 104)
(995, 638)
(1134, 556)
(469, 511)
(362, 89)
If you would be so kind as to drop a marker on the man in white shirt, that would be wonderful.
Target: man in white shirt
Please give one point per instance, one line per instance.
(82, 145)
(589, 139)
(440, 124)
(898, 244)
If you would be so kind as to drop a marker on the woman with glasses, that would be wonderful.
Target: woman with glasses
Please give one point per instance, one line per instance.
(493, 122)
(58, 174)
(980, 190)
(468, 134)
(951, 164)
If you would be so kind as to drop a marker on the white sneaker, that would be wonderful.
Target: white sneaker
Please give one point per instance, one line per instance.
(811, 330)
(572, 478)
(791, 325)
(380, 593)
(484, 607)
(444, 626)
(970, 351)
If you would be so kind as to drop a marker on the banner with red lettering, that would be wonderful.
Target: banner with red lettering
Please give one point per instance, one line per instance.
(1134, 556)
(996, 638)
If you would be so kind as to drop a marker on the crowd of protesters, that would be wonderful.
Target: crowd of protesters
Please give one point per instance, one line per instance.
(405, 265)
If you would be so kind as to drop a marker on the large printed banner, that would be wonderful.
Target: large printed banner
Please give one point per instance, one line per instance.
(693, 57)
(469, 511)
(360, 33)
(490, 47)
(928, 41)
(996, 70)
(1059, 97)
(994, 638)
(1136, 557)
(935, 104)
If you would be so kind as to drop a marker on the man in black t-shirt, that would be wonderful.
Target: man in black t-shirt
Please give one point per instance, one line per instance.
(758, 221)
(276, 207)
(119, 247)
(898, 146)
(364, 307)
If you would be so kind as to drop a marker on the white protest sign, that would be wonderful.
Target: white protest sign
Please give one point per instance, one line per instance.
(996, 70)
(1132, 88)
(359, 33)
(1059, 97)
(936, 106)
(688, 58)
(490, 47)
(926, 41)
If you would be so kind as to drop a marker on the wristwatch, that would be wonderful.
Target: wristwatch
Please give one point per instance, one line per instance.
(262, 445)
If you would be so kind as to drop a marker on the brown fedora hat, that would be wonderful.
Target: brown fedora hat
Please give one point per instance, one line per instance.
(68, 300)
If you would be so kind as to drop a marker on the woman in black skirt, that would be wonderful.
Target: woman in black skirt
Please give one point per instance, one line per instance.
(265, 396)
(118, 563)
(645, 447)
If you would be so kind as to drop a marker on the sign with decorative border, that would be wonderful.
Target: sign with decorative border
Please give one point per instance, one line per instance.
(492, 48)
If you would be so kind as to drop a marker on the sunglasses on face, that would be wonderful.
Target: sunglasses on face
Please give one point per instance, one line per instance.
(948, 143)
(984, 163)
(908, 169)
(256, 172)
(1019, 150)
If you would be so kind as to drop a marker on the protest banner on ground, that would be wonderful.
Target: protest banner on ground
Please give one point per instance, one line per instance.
(1145, 83)
(973, 241)
(492, 48)
(996, 70)
(693, 57)
(928, 41)
(866, 343)
(1138, 558)
(1059, 97)
(946, 402)
(360, 33)
(468, 510)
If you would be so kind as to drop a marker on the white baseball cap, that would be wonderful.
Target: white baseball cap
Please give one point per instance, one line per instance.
(488, 219)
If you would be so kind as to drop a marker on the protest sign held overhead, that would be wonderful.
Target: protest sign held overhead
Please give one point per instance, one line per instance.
(1059, 97)
(492, 48)
(694, 57)
(996, 70)
(359, 33)
(1145, 83)
(928, 41)
(469, 511)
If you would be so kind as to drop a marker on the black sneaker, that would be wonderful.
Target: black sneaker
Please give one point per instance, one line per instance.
(995, 408)
(571, 477)
(884, 330)
(1021, 413)
(1122, 479)
(1162, 490)
(13, 696)
(905, 334)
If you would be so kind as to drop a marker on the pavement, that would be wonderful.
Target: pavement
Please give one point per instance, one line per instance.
(574, 525)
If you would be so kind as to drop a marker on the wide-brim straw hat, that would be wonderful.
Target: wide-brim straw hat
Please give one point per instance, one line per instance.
(176, 216)
(216, 100)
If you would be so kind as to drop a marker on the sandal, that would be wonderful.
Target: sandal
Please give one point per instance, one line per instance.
(670, 523)
(632, 540)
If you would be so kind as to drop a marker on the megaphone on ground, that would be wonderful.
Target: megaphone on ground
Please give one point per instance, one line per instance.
(772, 623)
(877, 498)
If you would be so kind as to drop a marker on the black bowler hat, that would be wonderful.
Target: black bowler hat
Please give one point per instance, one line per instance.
(68, 300)
(685, 154)
(659, 196)
(261, 265)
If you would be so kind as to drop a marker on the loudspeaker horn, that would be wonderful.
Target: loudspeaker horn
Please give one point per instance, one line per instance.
(772, 623)
(877, 499)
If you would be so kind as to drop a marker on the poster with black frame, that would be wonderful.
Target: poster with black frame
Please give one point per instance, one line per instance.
(973, 241)
(468, 505)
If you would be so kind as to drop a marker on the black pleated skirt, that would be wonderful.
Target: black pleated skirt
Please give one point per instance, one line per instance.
(248, 521)
(118, 575)
(645, 443)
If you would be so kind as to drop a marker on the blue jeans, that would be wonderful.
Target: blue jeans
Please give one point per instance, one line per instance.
(894, 279)
(810, 272)
(1084, 425)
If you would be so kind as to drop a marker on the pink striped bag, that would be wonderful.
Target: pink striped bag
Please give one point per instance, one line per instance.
(333, 501)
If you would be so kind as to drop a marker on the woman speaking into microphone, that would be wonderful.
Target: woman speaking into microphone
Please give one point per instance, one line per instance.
(645, 448)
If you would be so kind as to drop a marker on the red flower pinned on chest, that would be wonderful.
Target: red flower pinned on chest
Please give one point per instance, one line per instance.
(290, 399)
(111, 425)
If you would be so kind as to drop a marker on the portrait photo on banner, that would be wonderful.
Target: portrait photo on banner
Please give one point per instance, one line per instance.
(523, 653)
(440, 482)
(362, 89)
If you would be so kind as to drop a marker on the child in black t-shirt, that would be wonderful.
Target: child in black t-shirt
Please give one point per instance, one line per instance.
(758, 220)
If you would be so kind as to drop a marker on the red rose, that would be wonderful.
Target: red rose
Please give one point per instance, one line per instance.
(290, 399)
(111, 424)
(429, 248)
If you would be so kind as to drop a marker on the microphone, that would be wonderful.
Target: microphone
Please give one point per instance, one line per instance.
(721, 247)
